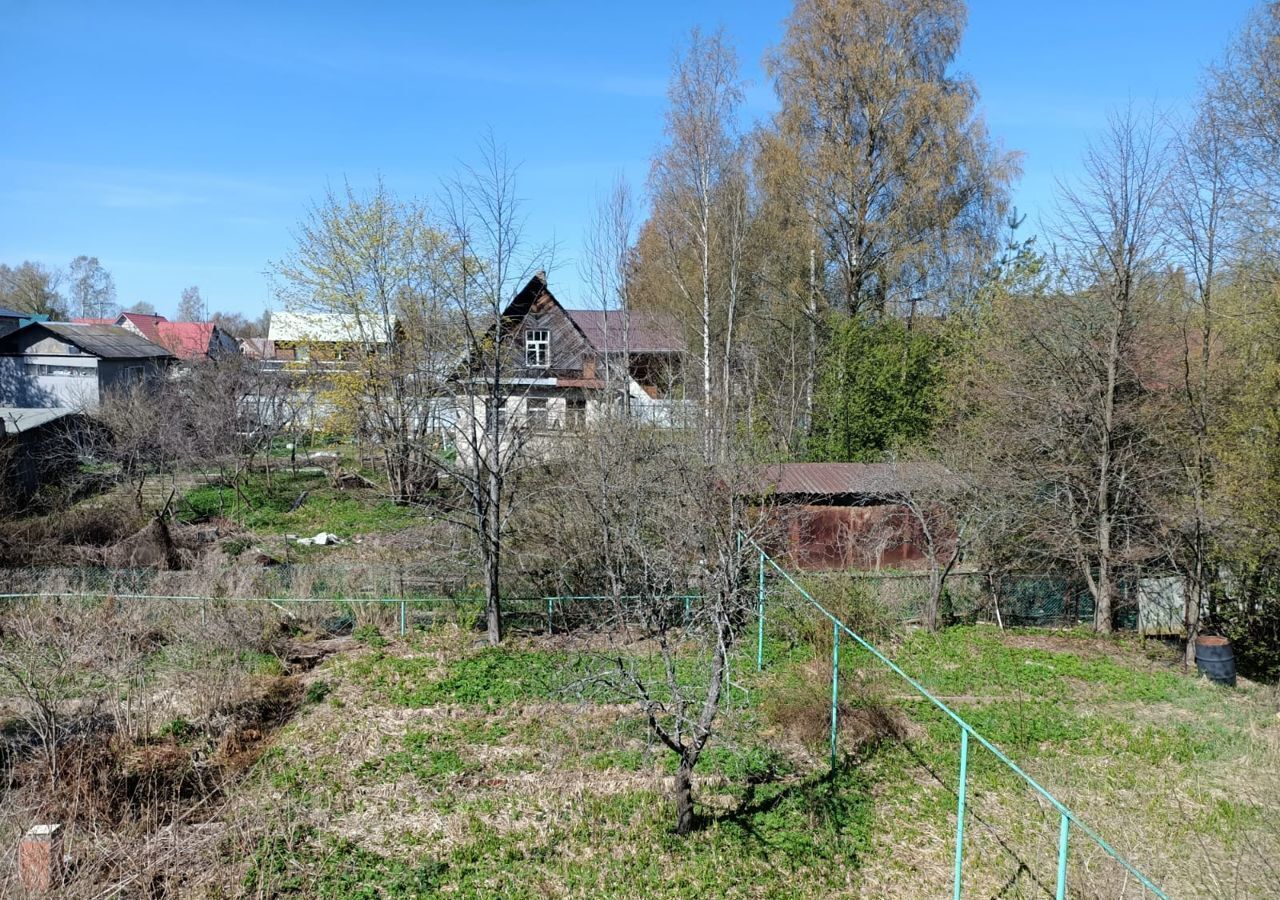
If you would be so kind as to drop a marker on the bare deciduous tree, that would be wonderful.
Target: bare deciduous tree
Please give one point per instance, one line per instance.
(92, 289)
(664, 536)
(900, 174)
(483, 221)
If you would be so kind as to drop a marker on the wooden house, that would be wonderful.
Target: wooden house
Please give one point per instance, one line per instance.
(562, 366)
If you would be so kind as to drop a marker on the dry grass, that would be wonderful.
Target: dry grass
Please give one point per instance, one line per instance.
(531, 793)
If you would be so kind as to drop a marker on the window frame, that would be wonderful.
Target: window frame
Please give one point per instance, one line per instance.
(537, 350)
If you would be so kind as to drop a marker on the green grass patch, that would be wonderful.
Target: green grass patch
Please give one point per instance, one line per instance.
(267, 508)
(310, 864)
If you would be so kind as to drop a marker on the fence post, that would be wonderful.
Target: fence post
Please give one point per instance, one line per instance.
(1063, 829)
(550, 624)
(964, 783)
(760, 620)
(404, 617)
(835, 689)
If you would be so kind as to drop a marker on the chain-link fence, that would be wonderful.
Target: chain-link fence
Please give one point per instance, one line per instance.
(1047, 601)
(1012, 599)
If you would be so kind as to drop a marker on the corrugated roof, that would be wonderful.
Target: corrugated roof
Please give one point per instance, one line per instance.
(105, 341)
(327, 327)
(645, 331)
(7, 313)
(861, 479)
(16, 419)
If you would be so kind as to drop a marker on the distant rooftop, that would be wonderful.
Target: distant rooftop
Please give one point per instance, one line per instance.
(641, 331)
(103, 341)
(186, 340)
(334, 328)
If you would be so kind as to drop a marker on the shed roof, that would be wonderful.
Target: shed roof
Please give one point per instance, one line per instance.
(17, 419)
(857, 479)
(7, 313)
(102, 341)
(645, 331)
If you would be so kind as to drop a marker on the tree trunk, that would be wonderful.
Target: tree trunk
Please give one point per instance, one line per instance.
(492, 540)
(1102, 595)
(684, 797)
(932, 604)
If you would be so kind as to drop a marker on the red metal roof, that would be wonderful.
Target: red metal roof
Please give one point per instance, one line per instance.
(145, 323)
(186, 340)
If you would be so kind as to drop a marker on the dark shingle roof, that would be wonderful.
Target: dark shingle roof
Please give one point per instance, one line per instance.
(106, 341)
(645, 331)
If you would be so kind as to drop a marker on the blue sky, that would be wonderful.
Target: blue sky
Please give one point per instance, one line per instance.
(182, 145)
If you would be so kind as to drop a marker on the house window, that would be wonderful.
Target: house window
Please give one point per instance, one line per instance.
(575, 413)
(495, 415)
(536, 413)
(537, 342)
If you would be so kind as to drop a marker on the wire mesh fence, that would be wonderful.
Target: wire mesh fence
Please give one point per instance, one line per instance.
(1031, 600)
(1000, 809)
(1010, 599)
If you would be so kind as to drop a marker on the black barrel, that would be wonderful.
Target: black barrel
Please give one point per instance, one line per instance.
(1215, 659)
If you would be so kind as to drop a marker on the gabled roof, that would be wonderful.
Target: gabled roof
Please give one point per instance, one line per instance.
(144, 322)
(102, 341)
(185, 340)
(258, 348)
(645, 331)
(333, 328)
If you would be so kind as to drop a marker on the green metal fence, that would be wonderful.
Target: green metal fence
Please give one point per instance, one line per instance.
(1068, 820)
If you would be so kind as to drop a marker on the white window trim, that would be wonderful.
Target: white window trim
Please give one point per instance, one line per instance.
(537, 348)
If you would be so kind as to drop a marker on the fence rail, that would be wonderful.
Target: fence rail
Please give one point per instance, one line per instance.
(1067, 818)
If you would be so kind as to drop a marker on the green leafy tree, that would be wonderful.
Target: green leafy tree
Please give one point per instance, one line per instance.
(880, 386)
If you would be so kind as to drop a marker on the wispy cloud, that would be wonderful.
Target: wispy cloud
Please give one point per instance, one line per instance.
(122, 188)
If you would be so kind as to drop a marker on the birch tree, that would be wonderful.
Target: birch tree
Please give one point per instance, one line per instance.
(698, 160)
